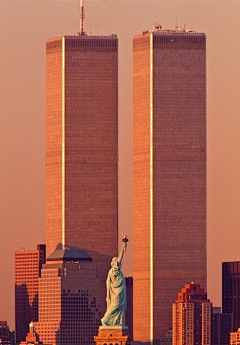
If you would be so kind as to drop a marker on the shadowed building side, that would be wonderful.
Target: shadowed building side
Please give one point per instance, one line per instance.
(231, 291)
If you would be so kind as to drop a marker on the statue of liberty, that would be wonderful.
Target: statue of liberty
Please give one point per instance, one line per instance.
(116, 291)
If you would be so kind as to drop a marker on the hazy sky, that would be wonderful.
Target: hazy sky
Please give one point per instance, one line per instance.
(24, 28)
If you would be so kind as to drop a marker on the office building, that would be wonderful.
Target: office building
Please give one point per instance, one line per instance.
(6, 336)
(221, 327)
(235, 337)
(82, 148)
(69, 310)
(28, 264)
(191, 317)
(169, 173)
(231, 291)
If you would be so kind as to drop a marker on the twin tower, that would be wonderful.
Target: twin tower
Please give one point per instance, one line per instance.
(169, 162)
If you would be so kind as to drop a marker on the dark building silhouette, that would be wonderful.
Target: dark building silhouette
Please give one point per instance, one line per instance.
(6, 336)
(129, 311)
(231, 291)
(221, 327)
(28, 264)
(169, 173)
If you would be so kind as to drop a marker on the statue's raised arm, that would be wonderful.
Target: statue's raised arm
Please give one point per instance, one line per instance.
(116, 290)
(124, 248)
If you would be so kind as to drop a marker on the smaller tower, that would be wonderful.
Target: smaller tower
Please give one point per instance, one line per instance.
(231, 291)
(235, 337)
(191, 317)
(28, 264)
(221, 327)
(6, 336)
(69, 310)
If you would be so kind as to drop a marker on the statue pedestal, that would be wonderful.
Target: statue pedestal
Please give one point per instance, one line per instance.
(112, 335)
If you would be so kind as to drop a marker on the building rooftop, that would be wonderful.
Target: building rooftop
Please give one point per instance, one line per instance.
(84, 37)
(158, 29)
(69, 255)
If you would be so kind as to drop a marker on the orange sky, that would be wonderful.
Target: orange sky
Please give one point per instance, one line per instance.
(24, 28)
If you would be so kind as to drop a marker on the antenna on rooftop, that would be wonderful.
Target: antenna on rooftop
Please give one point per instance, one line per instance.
(81, 17)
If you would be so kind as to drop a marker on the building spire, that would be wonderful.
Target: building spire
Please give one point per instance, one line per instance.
(81, 17)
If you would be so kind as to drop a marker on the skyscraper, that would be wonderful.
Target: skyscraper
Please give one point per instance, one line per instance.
(82, 148)
(191, 317)
(235, 337)
(68, 299)
(231, 291)
(28, 264)
(221, 327)
(169, 173)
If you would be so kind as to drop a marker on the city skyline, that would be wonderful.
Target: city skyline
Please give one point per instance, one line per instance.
(23, 119)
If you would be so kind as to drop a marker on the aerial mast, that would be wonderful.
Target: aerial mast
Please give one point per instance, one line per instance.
(81, 16)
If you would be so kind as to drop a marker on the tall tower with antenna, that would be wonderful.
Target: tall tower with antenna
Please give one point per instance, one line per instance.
(82, 148)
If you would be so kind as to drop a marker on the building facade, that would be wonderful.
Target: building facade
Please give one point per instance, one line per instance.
(6, 336)
(191, 317)
(231, 291)
(28, 264)
(235, 337)
(169, 173)
(221, 327)
(69, 310)
(82, 148)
